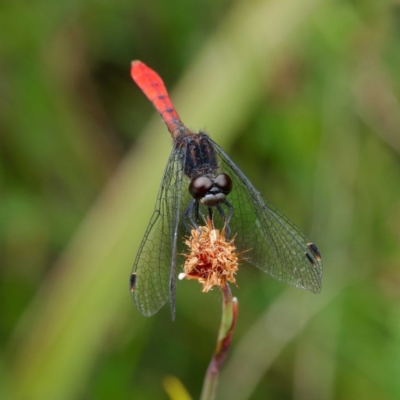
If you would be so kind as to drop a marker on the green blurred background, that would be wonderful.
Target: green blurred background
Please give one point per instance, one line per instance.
(304, 96)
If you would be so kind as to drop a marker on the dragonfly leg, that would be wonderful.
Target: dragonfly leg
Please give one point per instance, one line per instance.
(223, 216)
(192, 214)
(187, 214)
(228, 220)
(210, 213)
(231, 209)
(197, 216)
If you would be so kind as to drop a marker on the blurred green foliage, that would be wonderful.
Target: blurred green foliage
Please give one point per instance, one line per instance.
(305, 98)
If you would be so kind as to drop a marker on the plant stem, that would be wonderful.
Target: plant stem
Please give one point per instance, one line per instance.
(229, 315)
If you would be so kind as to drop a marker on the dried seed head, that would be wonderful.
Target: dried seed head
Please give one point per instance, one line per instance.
(212, 260)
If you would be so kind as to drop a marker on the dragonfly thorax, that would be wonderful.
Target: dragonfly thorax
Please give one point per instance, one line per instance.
(209, 190)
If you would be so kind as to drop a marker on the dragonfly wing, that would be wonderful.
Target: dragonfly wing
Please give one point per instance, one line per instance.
(269, 240)
(154, 274)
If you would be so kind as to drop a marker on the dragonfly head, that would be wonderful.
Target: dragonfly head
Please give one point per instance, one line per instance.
(210, 191)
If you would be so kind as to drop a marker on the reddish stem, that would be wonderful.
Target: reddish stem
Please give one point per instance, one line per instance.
(229, 316)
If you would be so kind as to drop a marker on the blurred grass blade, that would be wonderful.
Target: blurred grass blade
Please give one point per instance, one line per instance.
(175, 389)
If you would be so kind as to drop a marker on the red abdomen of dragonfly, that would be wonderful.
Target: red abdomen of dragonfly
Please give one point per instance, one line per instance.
(153, 87)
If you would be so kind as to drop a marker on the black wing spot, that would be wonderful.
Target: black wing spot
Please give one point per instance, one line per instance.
(310, 259)
(314, 250)
(132, 282)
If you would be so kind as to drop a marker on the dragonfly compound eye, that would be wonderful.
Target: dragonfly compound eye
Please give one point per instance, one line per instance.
(200, 186)
(223, 182)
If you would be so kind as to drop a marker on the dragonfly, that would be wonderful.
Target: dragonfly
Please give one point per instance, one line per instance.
(200, 179)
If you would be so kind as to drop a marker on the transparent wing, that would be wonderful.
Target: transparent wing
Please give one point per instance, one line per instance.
(154, 273)
(272, 242)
